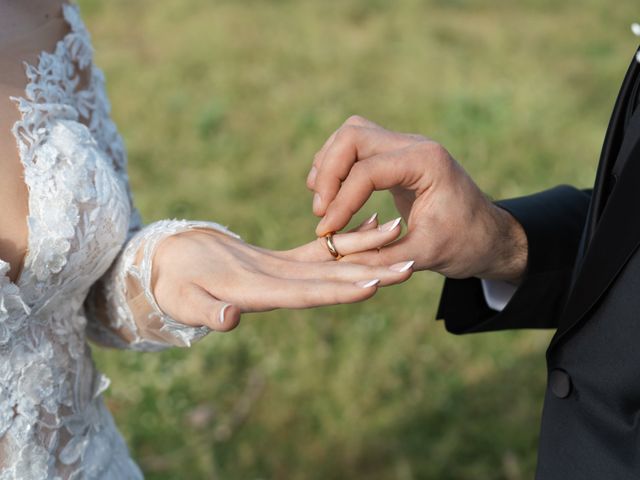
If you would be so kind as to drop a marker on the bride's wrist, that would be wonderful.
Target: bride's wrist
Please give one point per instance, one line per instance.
(165, 251)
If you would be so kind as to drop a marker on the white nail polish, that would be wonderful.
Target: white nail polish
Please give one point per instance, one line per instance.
(387, 227)
(221, 319)
(368, 283)
(402, 267)
(372, 219)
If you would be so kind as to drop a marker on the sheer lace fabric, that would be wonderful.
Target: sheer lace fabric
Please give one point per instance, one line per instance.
(80, 277)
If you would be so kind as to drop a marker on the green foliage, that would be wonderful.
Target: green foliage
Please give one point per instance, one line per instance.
(223, 104)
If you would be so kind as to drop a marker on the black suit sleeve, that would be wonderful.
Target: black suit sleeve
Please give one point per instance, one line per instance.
(553, 221)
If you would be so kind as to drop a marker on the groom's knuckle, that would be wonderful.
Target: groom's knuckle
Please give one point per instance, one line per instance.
(428, 149)
(355, 120)
(367, 177)
(433, 154)
(418, 138)
(346, 135)
(439, 153)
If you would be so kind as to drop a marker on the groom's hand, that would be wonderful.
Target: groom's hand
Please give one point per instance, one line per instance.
(453, 228)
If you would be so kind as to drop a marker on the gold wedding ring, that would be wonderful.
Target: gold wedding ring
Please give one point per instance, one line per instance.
(332, 247)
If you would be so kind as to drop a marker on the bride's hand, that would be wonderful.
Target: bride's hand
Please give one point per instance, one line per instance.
(203, 277)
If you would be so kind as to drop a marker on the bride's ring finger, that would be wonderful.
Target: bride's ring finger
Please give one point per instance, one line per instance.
(331, 246)
(348, 243)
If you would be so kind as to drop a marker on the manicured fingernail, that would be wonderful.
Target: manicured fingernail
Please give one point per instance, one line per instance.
(322, 228)
(368, 283)
(313, 173)
(402, 266)
(372, 219)
(224, 309)
(316, 202)
(387, 227)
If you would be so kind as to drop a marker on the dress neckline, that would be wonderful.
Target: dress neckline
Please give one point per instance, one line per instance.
(60, 54)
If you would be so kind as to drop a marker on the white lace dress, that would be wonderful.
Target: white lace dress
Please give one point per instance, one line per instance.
(80, 278)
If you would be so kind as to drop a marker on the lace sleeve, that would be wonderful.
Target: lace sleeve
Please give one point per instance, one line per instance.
(121, 307)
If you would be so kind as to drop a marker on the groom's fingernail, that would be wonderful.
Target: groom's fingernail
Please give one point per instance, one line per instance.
(224, 309)
(402, 267)
(372, 219)
(387, 227)
(368, 283)
(317, 200)
(320, 227)
(313, 173)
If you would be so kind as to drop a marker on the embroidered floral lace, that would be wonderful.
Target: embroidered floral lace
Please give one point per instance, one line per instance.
(86, 273)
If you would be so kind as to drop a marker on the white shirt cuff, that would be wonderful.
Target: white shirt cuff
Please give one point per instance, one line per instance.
(497, 293)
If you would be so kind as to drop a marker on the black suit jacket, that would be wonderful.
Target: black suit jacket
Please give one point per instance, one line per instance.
(583, 278)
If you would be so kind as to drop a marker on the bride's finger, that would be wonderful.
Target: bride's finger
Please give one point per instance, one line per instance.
(346, 243)
(196, 307)
(347, 271)
(349, 243)
(369, 224)
(287, 293)
(308, 249)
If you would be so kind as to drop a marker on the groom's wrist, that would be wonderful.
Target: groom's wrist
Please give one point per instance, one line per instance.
(509, 247)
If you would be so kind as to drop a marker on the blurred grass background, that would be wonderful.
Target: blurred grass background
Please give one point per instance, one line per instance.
(222, 105)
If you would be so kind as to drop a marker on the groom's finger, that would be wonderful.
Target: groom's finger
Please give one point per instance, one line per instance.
(334, 163)
(354, 120)
(317, 161)
(359, 121)
(350, 145)
(381, 172)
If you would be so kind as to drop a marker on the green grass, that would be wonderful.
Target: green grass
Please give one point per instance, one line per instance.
(222, 105)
